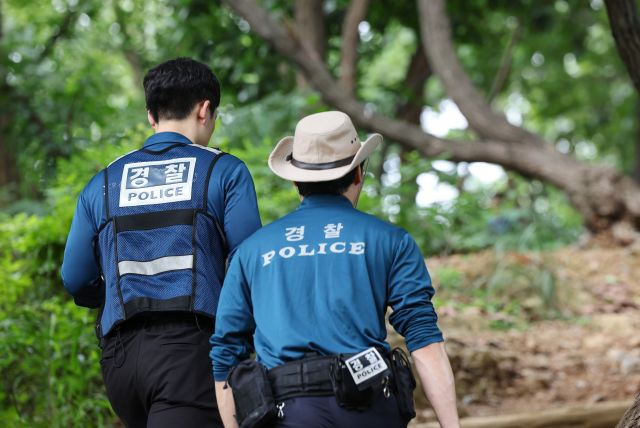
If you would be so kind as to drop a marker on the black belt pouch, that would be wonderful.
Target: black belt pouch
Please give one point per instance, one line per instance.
(405, 383)
(347, 394)
(252, 394)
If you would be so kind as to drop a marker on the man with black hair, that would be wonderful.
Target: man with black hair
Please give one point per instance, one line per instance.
(148, 245)
(309, 294)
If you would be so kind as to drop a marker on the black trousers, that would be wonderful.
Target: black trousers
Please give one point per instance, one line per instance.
(157, 371)
(324, 412)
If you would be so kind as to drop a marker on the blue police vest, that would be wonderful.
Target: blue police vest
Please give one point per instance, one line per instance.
(159, 249)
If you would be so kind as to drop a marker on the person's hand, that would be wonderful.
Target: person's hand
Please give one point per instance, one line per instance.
(91, 296)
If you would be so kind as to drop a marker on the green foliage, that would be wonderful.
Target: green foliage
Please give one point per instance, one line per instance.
(449, 279)
(66, 85)
(50, 354)
(50, 366)
(524, 289)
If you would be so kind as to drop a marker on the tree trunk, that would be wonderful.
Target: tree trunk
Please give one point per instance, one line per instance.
(631, 418)
(8, 169)
(410, 108)
(625, 27)
(636, 146)
(356, 13)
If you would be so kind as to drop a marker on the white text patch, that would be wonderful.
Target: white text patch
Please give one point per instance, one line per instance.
(156, 182)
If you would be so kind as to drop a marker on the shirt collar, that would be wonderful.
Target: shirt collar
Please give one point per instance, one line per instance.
(167, 137)
(316, 200)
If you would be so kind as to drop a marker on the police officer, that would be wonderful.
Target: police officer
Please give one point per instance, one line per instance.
(309, 293)
(148, 245)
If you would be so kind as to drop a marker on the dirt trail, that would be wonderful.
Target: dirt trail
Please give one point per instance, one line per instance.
(590, 356)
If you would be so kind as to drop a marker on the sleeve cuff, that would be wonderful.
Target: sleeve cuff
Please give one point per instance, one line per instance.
(221, 375)
(421, 343)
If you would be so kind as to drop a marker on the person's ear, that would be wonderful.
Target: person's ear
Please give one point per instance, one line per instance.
(358, 177)
(295, 185)
(203, 111)
(151, 120)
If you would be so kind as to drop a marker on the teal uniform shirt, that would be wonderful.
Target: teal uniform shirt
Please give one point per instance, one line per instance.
(320, 280)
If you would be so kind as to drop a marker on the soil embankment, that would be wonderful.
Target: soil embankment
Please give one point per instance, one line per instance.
(584, 358)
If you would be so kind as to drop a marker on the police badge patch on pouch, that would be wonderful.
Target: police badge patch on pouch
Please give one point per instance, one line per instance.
(156, 182)
(366, 367)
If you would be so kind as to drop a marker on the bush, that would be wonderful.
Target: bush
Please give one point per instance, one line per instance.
(50, 366)
(510, 289)
(50, 355)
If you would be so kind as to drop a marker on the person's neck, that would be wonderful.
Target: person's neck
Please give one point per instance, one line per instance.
(352, 194)
(179, 126)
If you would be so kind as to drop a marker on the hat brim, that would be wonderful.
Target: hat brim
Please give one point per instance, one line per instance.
(285, 169)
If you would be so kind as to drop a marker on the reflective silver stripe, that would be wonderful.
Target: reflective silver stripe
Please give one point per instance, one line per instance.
(163, 264)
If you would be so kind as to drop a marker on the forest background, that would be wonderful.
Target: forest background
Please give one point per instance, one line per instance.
(511, 134)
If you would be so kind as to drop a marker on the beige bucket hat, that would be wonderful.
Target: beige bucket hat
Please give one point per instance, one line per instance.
(325, 147)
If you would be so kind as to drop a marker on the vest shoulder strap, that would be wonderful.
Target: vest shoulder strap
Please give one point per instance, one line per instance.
(205, 196)
(205, 199)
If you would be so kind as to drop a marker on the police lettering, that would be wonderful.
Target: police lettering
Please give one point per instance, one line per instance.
(355, 248)
(334, 247)
(367, 371)
(158, 193)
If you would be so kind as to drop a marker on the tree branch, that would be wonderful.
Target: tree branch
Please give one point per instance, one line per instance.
(436, 37)
(505, 64)
(417, 75)
(544, 163)
(409, 108)
(61, 32)
(310, 24)
(132, 57)
(605, 197)
(350, 36)
(625, 27)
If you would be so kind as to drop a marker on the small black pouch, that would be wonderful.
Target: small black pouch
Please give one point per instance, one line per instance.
(252, 394)
(404, 382)
(347, 394)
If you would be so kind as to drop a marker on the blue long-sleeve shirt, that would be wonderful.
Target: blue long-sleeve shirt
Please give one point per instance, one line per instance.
(231, 199)
(320, 280)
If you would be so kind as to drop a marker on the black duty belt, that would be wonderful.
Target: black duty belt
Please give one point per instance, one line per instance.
(308, 377)
(259, 394)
